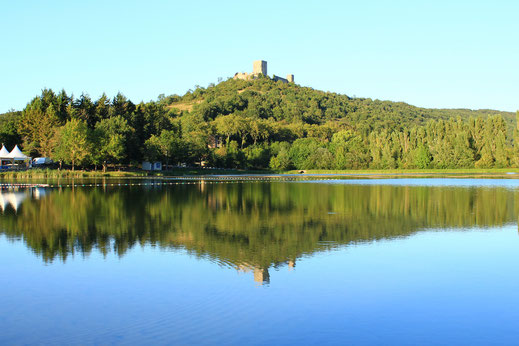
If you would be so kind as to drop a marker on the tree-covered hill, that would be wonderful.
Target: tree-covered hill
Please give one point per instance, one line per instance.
(260, 124)
(264, 98)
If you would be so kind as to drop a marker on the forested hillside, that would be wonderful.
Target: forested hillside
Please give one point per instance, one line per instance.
(260, 124)
(263, 98)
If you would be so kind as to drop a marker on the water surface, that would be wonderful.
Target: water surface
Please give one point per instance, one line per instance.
(393, 261)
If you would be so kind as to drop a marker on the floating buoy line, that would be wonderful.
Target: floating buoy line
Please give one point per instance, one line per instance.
(162, 182)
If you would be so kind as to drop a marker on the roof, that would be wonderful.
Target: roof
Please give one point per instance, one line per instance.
(16, 154)
(4, 152)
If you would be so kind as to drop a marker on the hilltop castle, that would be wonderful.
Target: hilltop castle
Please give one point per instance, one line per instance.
(259, 67)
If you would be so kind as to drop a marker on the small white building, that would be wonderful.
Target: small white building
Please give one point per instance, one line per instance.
(152, 166)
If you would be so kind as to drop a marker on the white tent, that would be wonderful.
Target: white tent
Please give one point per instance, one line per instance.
(4, 153)
(17, 155)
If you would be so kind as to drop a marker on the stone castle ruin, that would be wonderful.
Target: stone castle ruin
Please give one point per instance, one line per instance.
(259, 67)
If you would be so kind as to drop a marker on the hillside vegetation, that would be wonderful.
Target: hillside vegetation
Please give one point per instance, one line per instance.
(260, 124)
(263, 98)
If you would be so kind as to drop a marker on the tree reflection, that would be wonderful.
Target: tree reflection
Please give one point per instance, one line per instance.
(249, 226)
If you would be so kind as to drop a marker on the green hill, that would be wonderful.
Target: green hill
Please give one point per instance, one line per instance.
(291, 103)
(260, 124)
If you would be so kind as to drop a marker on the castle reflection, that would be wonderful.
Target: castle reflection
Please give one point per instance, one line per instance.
(252, 227)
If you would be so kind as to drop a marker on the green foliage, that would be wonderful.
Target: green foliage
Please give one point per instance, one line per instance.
(73, 145)
(349, 150)
(302, 152)
(257, 156)
(37, 125)
(422, 157)
(240, 124)
(9, 135)
(168, 146)
(111, 138)
(281, 158)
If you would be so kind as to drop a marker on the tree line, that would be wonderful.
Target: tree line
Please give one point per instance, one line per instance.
(259, 124)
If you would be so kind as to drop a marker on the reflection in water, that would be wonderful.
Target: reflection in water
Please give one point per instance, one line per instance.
(11, 199)
(250, 226)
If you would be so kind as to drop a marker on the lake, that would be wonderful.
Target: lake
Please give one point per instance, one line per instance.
(255, 262)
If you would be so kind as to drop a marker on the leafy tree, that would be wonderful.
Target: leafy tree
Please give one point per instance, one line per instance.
(259, 130)
(281, 160)
(486, 159)
(47, 128)
(153, 149)
(29, 124)
(111, 137)
(167, 146)
(422, 157)
(349, 150)
(381, 150)
(37, 125)
(257, 156)
(301, 151)
(320, 159)
(9, 135)
(515, 152)
(72, 143)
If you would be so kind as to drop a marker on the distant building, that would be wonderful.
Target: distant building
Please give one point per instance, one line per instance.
(214, 142)
(259, 67)
(152, 166)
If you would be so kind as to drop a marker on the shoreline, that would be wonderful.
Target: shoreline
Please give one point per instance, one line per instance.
(508, 173)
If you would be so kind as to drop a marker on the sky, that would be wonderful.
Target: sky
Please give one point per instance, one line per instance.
(436, 54)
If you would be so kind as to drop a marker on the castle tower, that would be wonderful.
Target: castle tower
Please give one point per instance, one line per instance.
(290, 78)
(259, 66)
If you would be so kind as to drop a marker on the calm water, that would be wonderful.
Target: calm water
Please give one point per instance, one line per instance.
(395, 261)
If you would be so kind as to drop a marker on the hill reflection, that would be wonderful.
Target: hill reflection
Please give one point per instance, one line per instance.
(250, 226)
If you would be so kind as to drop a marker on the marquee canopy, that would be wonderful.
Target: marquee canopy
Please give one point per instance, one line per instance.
(15, 155)
(3, 152)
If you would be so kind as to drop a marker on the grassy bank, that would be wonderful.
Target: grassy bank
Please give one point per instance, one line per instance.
(55, 173)
(409, 171)
(67, 174)
(64, 173)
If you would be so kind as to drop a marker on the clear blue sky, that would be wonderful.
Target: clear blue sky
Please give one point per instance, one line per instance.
(441, 54)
